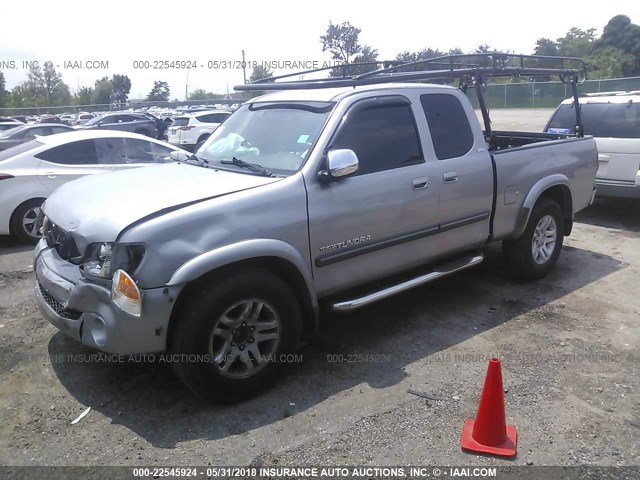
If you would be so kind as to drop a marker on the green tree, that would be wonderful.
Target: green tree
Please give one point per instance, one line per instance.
(202, 94)
(102, 92)
(341, 41)
(424, 54)
(47, 85)
(547, 47)
(260, 72)
(4, 95)
(577, 42)
(160, 92)
(609, 62)
(621, 34)
(121, 88)
(84, 96)
(61, 95)
(368, 54)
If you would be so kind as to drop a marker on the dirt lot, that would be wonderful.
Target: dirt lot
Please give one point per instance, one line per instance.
(569, 344)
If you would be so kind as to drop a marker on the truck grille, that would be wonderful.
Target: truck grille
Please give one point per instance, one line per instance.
(57, 307)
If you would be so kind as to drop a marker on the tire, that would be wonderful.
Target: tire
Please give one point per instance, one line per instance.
(526, 260)
(23, 221)
(217, 326)
(202, 138)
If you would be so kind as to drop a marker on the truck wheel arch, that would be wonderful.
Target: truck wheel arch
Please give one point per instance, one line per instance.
(274, 255)
(555, 187)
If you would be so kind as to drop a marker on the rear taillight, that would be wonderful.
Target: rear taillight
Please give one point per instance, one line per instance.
(187, 127)
(5, 176)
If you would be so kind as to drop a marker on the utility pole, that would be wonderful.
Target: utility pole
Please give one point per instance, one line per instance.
(244, 68)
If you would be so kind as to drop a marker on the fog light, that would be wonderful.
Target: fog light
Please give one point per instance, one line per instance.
(125, 293)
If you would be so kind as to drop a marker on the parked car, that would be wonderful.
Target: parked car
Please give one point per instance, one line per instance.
(84, 117)
(340, 196)
(614, 120)
(68, 119)
(126, 122)
(189, 130)
(8, 125)
(49, 118)
(32, 170)
(19, 118)
(9, 119)
(24, 133)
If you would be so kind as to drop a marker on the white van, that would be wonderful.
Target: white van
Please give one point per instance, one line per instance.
(613, 118)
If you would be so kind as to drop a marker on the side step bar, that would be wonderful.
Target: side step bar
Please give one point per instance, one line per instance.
(438, 271)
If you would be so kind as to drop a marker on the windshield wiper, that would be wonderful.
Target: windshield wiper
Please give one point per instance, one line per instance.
(198, 161)
(254, 167)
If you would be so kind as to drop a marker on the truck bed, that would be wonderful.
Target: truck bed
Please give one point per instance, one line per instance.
(507, 139)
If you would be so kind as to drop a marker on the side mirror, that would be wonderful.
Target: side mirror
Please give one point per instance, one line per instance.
(179, 156)
(340, 163)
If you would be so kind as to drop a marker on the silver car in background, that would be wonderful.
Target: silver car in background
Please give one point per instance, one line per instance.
(614, 120)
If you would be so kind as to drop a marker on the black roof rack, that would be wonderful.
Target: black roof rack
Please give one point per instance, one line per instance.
(468, 68)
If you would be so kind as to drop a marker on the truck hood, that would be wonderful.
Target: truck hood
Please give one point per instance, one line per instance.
(96, 208)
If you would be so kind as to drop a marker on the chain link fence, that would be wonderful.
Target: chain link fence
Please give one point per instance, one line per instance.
(549, 94)
(502, 95)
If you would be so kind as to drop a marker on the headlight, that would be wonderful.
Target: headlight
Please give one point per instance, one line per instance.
(102, 259)
(99, 264)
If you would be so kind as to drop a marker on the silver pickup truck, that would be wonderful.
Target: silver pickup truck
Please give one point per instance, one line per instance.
(337, 192)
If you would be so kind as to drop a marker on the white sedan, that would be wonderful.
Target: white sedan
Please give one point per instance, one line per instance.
(30, 172)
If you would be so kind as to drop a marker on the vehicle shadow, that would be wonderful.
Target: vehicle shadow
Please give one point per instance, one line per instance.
(9, 245)
(148, 399)
(620, 213)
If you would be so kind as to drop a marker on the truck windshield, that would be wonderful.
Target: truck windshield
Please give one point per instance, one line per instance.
(616, 120)
(274, 135)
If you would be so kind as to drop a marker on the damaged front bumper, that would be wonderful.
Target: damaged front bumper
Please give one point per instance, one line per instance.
(84, 310)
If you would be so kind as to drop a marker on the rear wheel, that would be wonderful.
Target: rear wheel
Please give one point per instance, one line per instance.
(534, 254)
(232, 334)
(23, 221)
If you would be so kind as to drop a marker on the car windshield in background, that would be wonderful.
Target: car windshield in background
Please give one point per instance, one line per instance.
(616, 120)
(23, 147)
(274, 135)
(11, 131)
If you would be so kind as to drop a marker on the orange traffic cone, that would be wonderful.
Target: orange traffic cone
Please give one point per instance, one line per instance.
(489, 433)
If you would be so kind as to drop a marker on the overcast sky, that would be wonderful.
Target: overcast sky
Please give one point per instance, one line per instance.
(122, 32)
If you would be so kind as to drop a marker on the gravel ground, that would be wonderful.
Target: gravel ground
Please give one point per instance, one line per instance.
(569, 346)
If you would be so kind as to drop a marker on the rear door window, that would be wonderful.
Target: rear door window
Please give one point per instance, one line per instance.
(143, 151)
(451, 132)
(82, 152)
(111, 151)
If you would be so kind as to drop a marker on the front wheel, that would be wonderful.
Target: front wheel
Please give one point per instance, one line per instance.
(233, 334)
(24, 219)
(534, 254)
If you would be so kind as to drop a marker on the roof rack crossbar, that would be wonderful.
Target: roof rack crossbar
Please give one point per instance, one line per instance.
(455, 66)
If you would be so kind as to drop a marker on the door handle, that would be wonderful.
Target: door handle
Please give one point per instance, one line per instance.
(450, 177)
(420, 183)
(51, 174)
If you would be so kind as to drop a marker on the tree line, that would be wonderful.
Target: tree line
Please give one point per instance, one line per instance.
(44, 88)
(616, 53)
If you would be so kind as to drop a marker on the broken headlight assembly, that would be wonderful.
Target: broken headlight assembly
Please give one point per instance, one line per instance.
(104, 258)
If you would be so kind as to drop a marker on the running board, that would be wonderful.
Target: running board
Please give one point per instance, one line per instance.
(438, 271)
